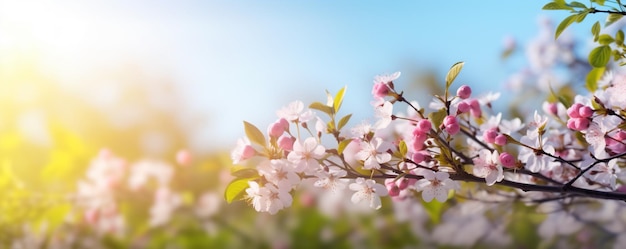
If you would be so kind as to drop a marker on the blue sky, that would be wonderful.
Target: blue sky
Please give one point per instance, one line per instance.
(242, 60)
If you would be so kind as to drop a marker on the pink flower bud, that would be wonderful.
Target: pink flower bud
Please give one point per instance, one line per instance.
(552, 108)
(418, 142)
(285, 142)
(423, 127)
(571, 124)
(572, 112)
(475, 108)
(278, 128)
(464, 92)
(501, 140)
(453, 129)
(403, 183)
(380, 90)
(418, 157)
(393, 190)
(490, 135)
(507, 160)
(463, 107)
(449, 120)
(248, 152)
(581, 123)
(585, 112)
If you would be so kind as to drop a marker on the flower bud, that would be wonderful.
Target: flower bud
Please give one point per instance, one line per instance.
(463, 107)
(464, 92)
(572, 111)
(552, 108)
(423, 127)
(285, 142)
(507, 160)
(380, 90)
(402, 183)
(449, 120)
(501, 140)
(475, 108)
(278, 128)
(490, 135)
(453, 129)
(585, 112)
(581, 123)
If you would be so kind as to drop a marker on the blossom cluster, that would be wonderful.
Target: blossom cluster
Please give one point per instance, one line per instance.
(569, 148)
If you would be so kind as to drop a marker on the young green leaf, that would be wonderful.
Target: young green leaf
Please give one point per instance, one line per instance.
(605, 39)
(453, 72)
(403, 148)
(235, 189)
(437, 117)
(595, 30)
(556, 6)
(343, 121)
(254, 134)
(619, 38)
(339, 98)
(612, 18)
(600, 56)
(564, 24)
(322, 107)
(591, 81)
(575, 4)
(342, 146)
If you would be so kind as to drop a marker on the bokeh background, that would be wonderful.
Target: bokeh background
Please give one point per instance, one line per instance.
(148, 79)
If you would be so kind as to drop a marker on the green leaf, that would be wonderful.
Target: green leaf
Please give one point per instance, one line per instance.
(599, 2)
(591, 81)
(403, 148)
(564, 24)
(619, 38)
(244, 173)
(342, 146)
(339, 98)
(605, 39)
(581, 16)
(453, 72)
(235, 189)
(322, 107)
(577, 5)
(437, 117)
(612, 18)
(556, 6)
(343, 121)
(595, 30)
(600, 56)
(254, 134)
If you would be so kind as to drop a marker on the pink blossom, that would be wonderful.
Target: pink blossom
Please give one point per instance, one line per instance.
(243, 151)
(368, 190)
(435, 185)
(306, 154)
(383, 85)
(373, 153)
(486, 166)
